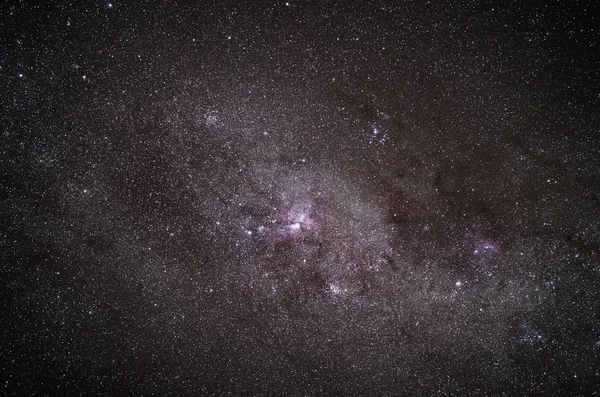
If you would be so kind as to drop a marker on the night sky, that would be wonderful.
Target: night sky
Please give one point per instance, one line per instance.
(300, 198)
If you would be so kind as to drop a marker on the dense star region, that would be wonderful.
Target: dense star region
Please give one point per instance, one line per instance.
(300, 198)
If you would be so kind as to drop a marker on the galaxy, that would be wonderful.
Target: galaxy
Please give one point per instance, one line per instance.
(254, 198)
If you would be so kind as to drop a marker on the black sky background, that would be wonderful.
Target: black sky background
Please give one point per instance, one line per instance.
(300, 198)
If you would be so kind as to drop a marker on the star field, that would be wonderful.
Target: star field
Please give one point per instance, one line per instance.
(300, 199)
